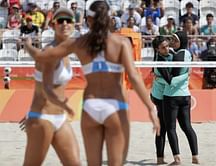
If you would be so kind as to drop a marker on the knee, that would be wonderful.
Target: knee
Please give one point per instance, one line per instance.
(32, 163)
(171, 131)
(74, 162)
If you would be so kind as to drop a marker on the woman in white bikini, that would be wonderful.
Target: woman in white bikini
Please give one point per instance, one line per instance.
(46, 122)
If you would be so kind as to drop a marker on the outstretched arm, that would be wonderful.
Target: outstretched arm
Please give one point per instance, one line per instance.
(62, 50)
(136, 81)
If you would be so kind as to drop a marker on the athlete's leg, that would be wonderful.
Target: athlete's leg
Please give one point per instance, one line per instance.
(93, 137)
(184, 119)
(66, 145)
(39, 136)
(117, 137)
(160, 140)
(170, 115)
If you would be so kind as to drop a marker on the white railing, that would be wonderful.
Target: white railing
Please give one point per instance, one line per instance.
(140, 64)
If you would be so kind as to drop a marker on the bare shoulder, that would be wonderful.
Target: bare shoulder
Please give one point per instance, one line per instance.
(119, 39)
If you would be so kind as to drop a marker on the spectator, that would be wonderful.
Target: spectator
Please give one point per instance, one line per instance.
(117, 19)
(50, 13)
(210, 28)
(11, 3)
(169, 28)
(155, 10)
(38, 18)
(149, 28)
(189, 9)
(31, 30)
(15, 18)
(131, 23)
(209, 74)
(114, 26)
(130, 12)
(188, 26)
(78, 15)
(3, 14)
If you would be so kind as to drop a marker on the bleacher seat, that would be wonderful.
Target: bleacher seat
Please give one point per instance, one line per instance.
(206, 7)
(147, 54)
(23, 55)
(9, 39)
(171, 7)
(46, 37)
(8, 55)
(195, 8)
(3, 17)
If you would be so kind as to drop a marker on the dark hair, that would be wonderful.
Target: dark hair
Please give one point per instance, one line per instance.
(132, 17)
(209, 15)
(189, 5)
(96, 40)
(156, 42)
(187, 19)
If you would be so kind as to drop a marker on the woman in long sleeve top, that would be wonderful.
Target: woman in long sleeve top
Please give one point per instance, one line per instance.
(177, 102)
(162, 77)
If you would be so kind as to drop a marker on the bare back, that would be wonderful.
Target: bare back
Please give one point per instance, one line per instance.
(103, 84)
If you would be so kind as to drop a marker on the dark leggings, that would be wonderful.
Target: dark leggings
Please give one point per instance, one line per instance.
(160, 140)
(179, 108)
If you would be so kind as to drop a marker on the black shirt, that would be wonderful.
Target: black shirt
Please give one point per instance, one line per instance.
(26, 30)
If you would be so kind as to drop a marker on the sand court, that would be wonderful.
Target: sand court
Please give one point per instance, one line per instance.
(141, 149)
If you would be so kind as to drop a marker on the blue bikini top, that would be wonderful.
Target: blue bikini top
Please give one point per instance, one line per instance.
(62, 74)
(100, 64)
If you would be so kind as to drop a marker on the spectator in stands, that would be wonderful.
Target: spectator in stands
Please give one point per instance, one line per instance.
(188, 26)
(117, 19)
(114, 27)
(149, 28)
(169, 28)
(31, 30)
(38, 18)
(3, 14)
(189, 13)
(209, 74)
(11, 3)
(130, 12)
(131, 23)
(50, 13)
(155, 10)
(15, 18)
(78, 15)
(190, 29)
(210, 27)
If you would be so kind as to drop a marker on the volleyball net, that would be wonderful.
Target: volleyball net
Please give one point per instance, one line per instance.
(138, 64)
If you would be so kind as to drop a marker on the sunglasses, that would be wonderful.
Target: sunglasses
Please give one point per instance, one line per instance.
(61, 20)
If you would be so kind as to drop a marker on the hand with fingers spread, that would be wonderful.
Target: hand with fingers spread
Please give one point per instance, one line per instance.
(65, 105)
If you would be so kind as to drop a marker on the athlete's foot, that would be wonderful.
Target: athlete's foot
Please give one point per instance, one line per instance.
(160, 161)
(195, 160)
(177, 160)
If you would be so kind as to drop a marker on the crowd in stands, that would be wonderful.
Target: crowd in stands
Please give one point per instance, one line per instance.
(148, 17)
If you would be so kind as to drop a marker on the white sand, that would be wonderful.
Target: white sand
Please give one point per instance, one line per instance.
(141, 150)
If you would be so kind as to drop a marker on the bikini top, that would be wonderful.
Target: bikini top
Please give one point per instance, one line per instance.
(62, 74)
(100, 64)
